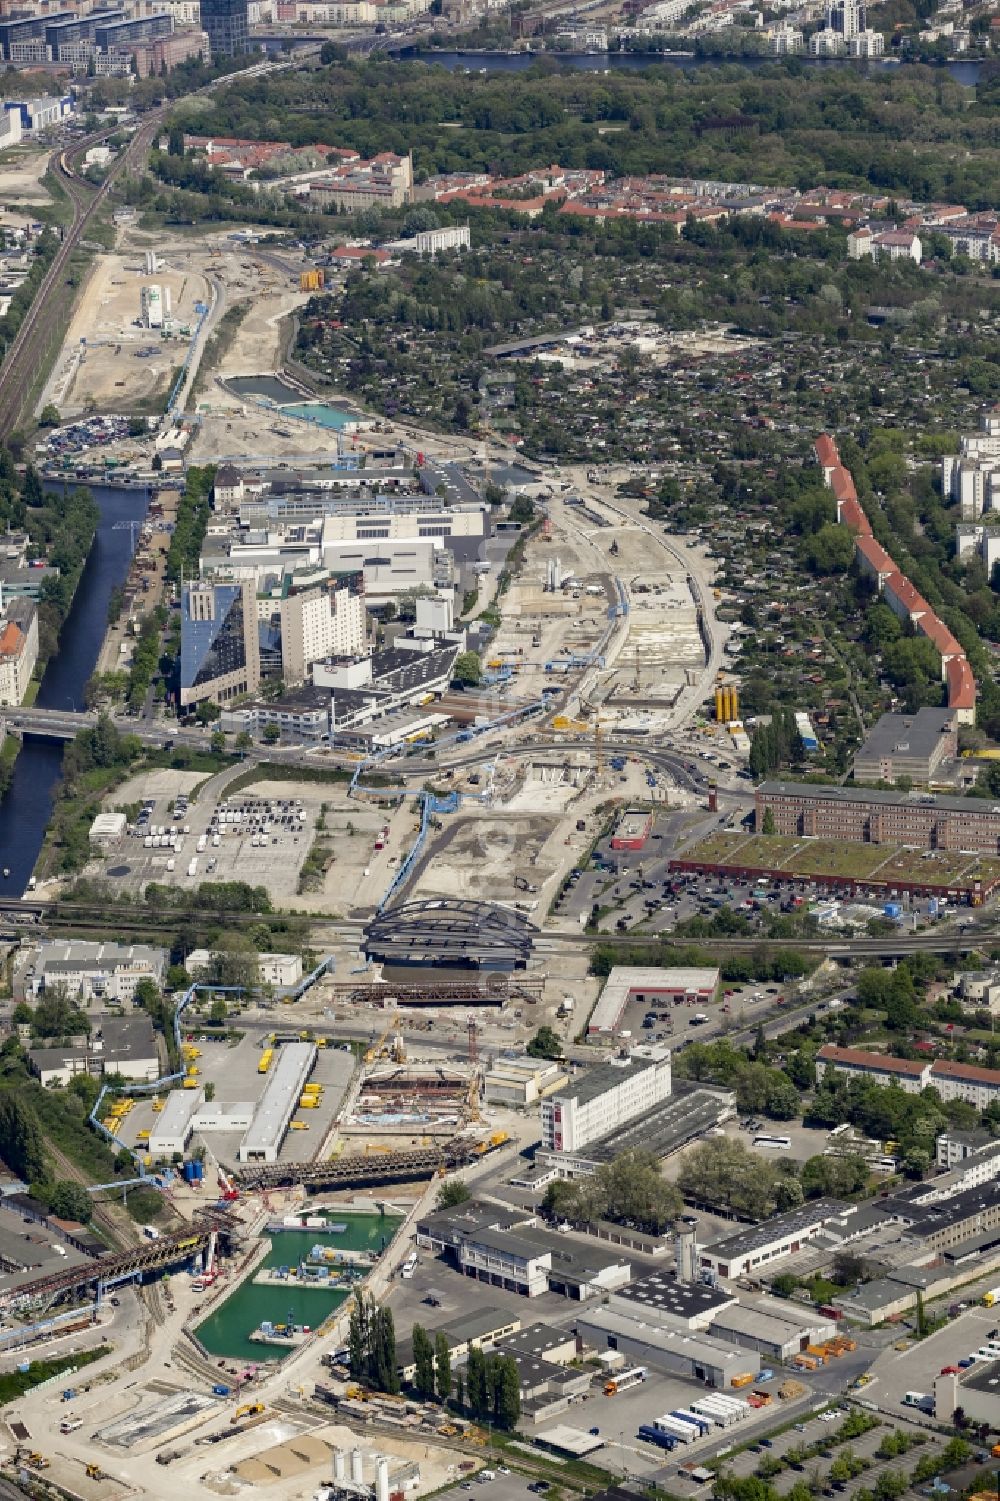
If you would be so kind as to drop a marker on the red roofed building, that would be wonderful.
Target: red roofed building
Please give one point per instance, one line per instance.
(18, 649)
(910, 1074)
(354, 254)
(873, 560)
(827, 456)
(904, 600)
(850, 514)
(966, 1081)
(961, 689)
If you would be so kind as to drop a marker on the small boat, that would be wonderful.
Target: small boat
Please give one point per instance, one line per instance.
(6, 872)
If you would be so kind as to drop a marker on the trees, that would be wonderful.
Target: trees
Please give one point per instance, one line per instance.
(423, 1360)
(725, 1175)
(70, 1201)
(442, 1367)
(21, 1138)
(271, 734)
(628, 1191)
(477, 1389)
(371, 1344)
(452, 1193)
(468, 668)
(545, 1044)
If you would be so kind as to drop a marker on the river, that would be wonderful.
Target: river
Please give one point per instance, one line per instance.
(25, 811)
(626, 62)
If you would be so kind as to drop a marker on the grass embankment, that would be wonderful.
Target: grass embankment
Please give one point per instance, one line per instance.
(14, 1384)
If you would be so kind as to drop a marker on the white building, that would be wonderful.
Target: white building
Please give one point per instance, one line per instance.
(95, 971)
(280, 970)
(866, 44)
(972, 476)
(319, 623)
(754, 1246)
(173, 1127)
(151, 299)
(976, 539)
(522, 1081)
(278, 1103)
(18, 649)
(604, 1099)
(786, 40)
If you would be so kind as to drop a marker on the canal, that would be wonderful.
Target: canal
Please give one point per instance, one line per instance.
(227, 1329)
(25, 811)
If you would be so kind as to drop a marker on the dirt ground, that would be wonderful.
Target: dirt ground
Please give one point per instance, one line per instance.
(103, 361)
(21, 171)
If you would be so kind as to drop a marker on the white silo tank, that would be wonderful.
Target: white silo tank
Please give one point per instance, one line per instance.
(382, 1480)
(357, 1469)
(339, 1465)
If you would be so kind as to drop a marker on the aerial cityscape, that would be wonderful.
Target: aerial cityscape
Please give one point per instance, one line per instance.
(499, 750)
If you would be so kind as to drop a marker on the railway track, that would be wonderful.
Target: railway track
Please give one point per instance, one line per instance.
(45, 319)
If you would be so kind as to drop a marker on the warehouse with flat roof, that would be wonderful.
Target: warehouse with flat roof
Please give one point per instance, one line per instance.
(172, 1132)
(269, 1126)
(645, 984)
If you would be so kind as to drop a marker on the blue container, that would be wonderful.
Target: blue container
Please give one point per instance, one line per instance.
(189, 1172)
(24, 1366)
(199, 1171)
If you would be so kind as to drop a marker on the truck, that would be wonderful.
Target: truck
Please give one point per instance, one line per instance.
(685, 1415)
(658, 1436)
(150, 1232)
(193, 865)
(764, 1375)
(685, 1433)
(916, 1399)
(220, 1391)
(993, 1296)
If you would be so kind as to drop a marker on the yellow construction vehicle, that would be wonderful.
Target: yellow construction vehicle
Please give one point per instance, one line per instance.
(94, 1472)
(157, 1105)
(379, 1049)
(249, 1410)
(300, 1126)
(142, 1136)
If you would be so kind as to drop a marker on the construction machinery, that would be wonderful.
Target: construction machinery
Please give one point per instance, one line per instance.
(383, 1048)
(248, 1410)
(94, 1472)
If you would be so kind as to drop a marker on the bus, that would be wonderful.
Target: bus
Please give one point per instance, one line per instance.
(780, 1143)
(621, 1381)
(409, 1266)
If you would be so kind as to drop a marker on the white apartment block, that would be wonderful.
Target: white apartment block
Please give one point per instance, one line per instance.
(604, 1099)
(972, 476)
(317, 624)
(103, 971)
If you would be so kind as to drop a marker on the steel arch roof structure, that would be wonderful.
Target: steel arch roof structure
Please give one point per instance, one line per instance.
(451, 931)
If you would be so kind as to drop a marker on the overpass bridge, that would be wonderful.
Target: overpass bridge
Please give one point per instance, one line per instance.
(122, 1266)
(365, 1169)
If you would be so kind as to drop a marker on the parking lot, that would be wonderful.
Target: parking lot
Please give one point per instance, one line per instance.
(180, 840)
(914, 1369)
(794, 1451)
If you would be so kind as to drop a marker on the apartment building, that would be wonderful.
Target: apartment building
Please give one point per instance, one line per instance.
(95, 971)
(326, 621)
(978, 1087)
(972, 476)
(862, 815)
(18, 649)
(910, 1075)
(604, 1099)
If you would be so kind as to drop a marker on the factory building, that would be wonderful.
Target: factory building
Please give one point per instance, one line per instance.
(654, 1342)
(755, 1246)
(864, 815)
(633, 830)
(151, 299)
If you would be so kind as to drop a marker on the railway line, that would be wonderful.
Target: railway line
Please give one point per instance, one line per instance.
(47, 316)
(83, 918)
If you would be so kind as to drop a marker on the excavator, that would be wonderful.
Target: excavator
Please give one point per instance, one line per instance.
(249, 1410)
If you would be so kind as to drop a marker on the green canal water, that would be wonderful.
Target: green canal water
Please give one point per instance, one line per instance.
(227, 1330)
